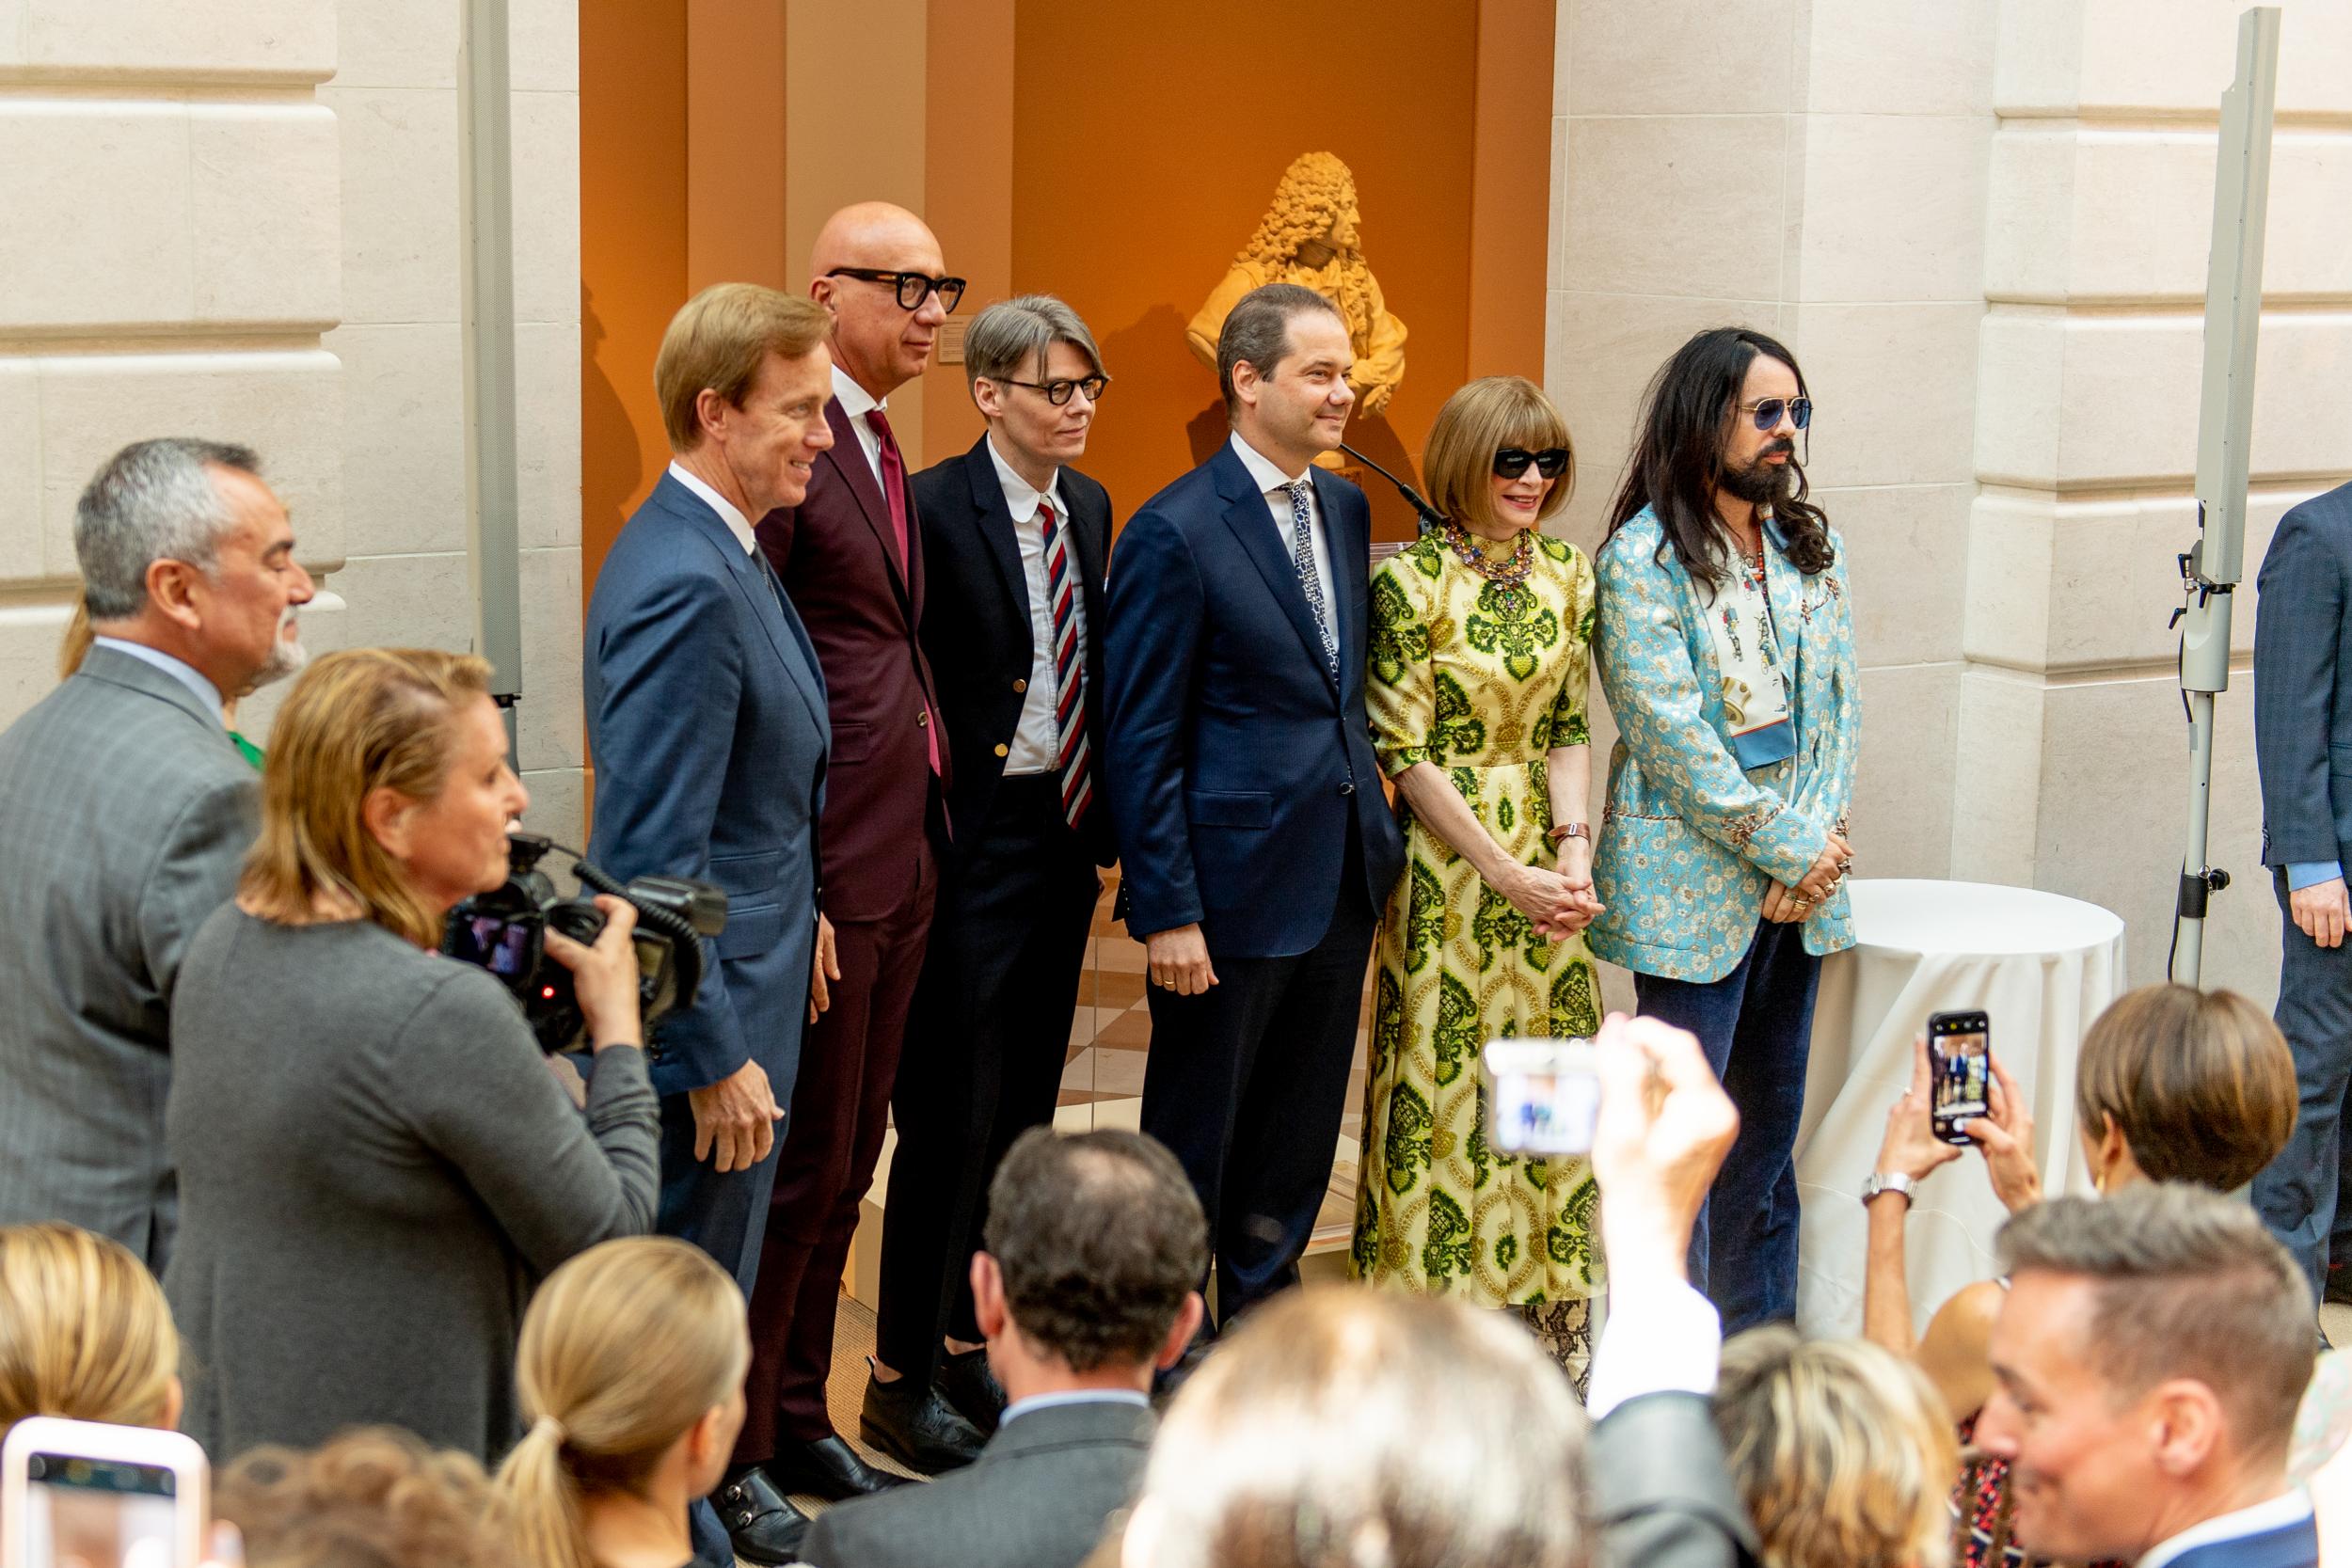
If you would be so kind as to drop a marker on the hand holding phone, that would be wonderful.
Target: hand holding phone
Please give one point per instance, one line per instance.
(1541, 1096)
(1960, 1055)
(85, 1495)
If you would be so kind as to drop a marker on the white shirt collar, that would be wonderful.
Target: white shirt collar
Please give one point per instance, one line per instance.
(178, 669)
(1021, 497)
(1073, 1396)
(2290, 1506)
(737, 523)
(856, 402)
(1262, 467)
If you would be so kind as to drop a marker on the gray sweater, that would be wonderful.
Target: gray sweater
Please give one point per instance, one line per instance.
(375, 1167)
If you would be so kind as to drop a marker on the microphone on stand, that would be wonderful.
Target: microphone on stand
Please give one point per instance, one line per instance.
(1430, 517)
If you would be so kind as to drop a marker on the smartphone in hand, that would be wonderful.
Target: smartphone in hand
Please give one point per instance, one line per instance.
(1960, 1061)
(85, 1495)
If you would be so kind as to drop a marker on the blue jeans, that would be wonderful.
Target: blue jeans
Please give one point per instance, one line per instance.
(1755, 1024)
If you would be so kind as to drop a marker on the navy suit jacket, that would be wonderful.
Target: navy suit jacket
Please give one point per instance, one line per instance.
(706, 725)
(1237, 767)
(2303, 683)
(2295, 1545)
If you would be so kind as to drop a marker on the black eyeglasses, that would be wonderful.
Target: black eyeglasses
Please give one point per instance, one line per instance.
(912, 286)
(1058, 392)
(1767, 413)
(1551, 462)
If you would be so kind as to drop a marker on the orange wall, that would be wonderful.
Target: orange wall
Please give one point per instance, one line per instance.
(633, 251)
(1148, 138)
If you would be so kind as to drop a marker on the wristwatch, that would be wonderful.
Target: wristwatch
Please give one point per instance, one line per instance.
(1887, 1181)
(1569, 830)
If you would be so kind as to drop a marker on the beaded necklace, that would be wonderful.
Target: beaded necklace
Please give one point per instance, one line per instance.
(1508, 577)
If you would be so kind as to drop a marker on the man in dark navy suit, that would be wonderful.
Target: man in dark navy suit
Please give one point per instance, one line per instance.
(1256, 845)
(1015, 540)
(706, 720)
(2303, 742)
(2148, 1362)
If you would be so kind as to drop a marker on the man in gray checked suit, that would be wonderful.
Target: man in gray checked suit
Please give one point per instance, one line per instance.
(1115, 1211)
(2303, 743)
(125, 810)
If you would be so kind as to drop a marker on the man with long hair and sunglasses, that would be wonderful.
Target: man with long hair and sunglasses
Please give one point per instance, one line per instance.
(1726, 645)
(850, 559)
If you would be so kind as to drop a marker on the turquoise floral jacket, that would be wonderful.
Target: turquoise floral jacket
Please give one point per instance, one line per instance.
(1689, 840)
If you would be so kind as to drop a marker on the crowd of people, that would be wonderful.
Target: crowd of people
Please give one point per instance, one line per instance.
(903, 720)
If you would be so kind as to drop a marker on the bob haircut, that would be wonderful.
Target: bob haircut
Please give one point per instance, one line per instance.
(1481, 418)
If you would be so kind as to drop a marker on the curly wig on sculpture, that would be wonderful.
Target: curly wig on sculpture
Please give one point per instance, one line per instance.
(1307, 201)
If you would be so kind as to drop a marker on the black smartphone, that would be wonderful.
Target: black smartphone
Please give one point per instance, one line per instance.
(1960, 1061)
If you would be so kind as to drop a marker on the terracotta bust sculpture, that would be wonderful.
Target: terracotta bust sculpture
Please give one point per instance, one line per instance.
(1308, 236)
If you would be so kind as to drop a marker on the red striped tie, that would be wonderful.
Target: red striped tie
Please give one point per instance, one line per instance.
(1070, 708)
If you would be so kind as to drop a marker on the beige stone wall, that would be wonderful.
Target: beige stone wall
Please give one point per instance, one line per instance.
(239, 219)
(1982, 225)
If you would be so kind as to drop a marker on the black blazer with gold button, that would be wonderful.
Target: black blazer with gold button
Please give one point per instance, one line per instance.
(976, 626)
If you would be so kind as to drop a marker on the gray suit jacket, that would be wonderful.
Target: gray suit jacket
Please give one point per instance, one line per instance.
(1661, 1495)
(125, 813)
(1039, 1497)
(2303, 683)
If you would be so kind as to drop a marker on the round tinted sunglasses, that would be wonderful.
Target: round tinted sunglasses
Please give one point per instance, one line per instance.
(1768, 412)
(1511, 462)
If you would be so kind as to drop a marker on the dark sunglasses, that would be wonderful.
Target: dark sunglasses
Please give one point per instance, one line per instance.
(912, 286)
(1551, 462)
(1768, 412)
(1058, 392)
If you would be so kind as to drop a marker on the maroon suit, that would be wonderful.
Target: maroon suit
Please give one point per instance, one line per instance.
(839, 558)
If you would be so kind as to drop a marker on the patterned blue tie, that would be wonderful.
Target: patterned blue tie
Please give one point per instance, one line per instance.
(1303, 558)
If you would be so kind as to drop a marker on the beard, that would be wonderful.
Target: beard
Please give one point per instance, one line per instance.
(287, 655)
(1763, 483)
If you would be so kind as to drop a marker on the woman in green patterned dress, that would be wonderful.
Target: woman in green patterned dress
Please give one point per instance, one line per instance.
(1480, 633)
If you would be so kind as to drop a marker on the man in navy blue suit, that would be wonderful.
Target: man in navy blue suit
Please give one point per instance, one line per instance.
(1256, 844)
(707, 722)
(2303, 742)
(2147, 1361)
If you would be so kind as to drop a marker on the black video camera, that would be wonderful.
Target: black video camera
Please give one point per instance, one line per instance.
(506, 932)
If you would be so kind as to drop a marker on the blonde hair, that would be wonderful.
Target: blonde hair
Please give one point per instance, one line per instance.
(358, 721)
(2200, 1084)
(1343, 1427)
(1308, 200)
(1477, 421)
(75, 646)
(717, 342)
(1841, 1451)
(377, 1496)
(624, 1349)
(84, 1330)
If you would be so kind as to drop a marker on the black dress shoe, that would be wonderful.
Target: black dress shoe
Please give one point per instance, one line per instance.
(828, 1467)
(970, 1386)
(762, 1523)
(915, 1425)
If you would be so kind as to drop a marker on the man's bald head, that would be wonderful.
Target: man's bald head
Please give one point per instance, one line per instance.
(879, 344)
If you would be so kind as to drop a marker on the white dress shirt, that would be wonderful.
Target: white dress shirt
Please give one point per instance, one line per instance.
(1661, 1336)
(856, 402)
(179, 670)
(1074, 1396)
(737, 523)
(2290, 1506)
(1037, 743)
(1273, 483)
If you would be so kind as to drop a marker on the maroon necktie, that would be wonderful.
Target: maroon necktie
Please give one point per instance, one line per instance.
(1071, 751)
(893, 488)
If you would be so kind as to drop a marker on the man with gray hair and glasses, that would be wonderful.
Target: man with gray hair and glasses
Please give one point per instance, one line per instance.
(1016, 541)
(125, 810)
(2147, 1361)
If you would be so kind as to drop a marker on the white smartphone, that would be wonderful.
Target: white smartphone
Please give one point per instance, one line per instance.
(84, 1494)
(1543, 1096)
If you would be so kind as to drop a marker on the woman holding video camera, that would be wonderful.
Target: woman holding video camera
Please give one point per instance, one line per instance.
(376, 1161)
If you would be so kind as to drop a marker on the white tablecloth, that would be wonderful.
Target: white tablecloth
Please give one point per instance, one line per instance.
(2042, 967)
